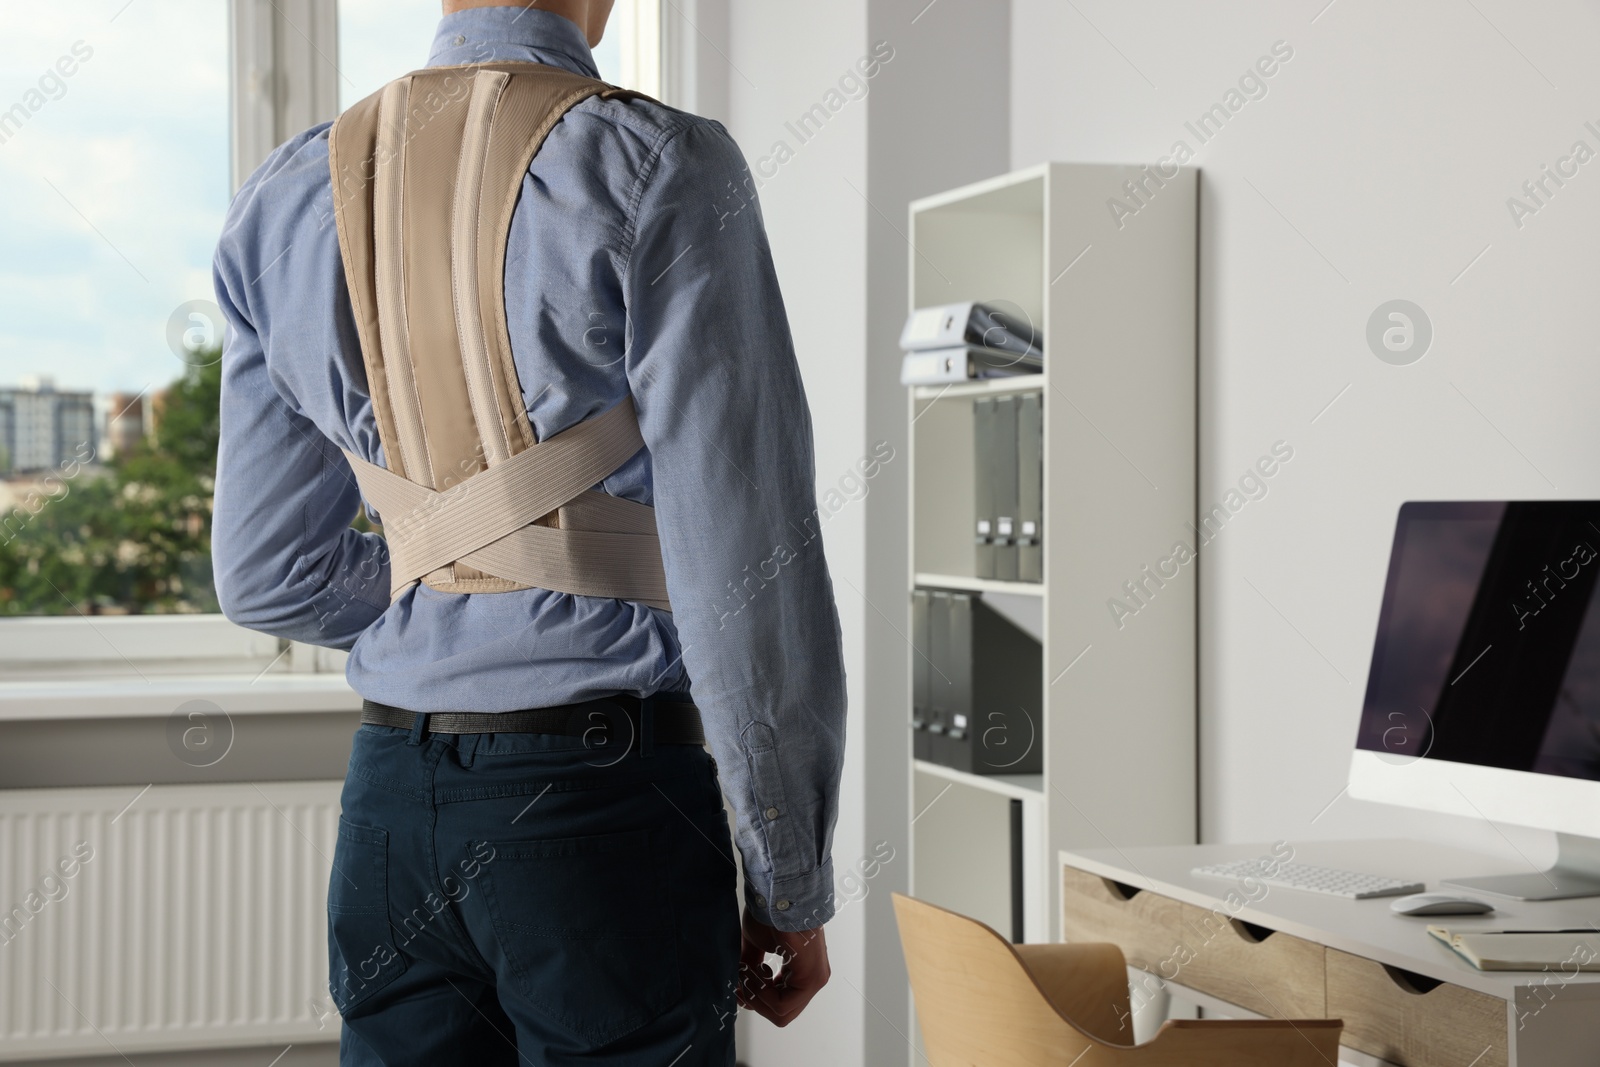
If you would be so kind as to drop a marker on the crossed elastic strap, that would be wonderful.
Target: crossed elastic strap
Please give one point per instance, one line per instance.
(601, 545)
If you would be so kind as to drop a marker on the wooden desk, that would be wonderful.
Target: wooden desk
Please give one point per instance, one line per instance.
(1258, 950)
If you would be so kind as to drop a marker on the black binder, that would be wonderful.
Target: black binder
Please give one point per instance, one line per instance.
(1003, 470)
(1007, 696)
(921, 673)
(1030, 487)
(971, 323)
(940, 691)
(983, 485)
(958, 730)
(984, 712)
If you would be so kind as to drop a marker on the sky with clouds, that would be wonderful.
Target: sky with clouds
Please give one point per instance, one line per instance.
(113, 190)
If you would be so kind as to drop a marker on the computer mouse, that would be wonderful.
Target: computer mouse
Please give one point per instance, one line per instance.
(1440, 904)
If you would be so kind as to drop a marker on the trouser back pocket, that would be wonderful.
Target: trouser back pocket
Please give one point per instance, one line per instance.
(588, 929)
(362, 957)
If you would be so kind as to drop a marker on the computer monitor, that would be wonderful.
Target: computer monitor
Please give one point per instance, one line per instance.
(1484, 694)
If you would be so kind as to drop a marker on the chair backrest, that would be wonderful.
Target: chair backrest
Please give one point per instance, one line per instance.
(978, 1004)
(984, 1003)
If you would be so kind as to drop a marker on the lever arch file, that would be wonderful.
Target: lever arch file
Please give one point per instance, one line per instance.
(945, 366)
(1003, 472)
(981, 325)
(985, 692)
(940, 692)
(983, 447)
(921, 673)
(957, 739)
(1030, 488)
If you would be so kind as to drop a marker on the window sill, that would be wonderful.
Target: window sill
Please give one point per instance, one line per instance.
(128, 697)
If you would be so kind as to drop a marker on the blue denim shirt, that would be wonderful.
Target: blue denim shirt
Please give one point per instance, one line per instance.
(637, 264)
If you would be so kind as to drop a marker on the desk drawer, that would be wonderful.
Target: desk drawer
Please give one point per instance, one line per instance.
(1143, 924)
(1266, 971)
(1411, 1020)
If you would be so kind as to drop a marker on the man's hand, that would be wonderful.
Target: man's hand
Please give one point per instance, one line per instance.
(783, 996)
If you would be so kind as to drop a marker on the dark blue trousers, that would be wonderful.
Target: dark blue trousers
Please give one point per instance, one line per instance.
(528, 899)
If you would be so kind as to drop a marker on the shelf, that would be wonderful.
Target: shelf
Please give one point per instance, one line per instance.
(1016, 383)
(977, 585)
(1028, 787)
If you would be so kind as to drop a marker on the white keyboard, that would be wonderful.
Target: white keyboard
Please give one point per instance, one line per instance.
(1348, 884)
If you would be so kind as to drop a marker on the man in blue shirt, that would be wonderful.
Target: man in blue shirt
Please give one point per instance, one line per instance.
(504, 897)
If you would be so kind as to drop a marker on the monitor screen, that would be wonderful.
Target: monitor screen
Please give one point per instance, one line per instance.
(1488, 647)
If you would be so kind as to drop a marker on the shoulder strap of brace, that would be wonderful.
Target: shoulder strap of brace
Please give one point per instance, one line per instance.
(426, 175)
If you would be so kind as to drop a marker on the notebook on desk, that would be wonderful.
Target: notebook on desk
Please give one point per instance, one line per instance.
(1499, 950)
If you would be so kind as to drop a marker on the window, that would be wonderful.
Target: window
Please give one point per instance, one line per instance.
(379, 40)
(120, 125)
(629, 54)
(382, 39)
(114, 158)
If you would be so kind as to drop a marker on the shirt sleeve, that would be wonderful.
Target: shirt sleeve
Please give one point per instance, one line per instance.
(286, 559)
(713, 373)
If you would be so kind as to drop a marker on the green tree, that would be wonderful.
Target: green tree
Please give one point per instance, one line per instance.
(133, 536)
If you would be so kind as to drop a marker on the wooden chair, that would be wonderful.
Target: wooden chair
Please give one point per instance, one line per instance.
(984, 1002)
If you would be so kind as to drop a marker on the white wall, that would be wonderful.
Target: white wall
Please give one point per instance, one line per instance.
(782, 58)
(836, 215)
(936, 118)
(1377, 166)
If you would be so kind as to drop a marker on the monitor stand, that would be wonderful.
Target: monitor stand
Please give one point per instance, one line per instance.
(1576, 874)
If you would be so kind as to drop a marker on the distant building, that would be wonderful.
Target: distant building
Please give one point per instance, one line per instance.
(127, 423)
(158, 409)
(41, 428)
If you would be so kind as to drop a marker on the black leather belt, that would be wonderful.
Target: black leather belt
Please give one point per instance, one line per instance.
(663, 719)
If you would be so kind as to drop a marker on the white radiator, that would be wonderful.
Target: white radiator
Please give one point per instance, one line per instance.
(179, 917)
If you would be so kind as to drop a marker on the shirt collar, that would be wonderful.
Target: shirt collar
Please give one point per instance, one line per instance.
(507, 33)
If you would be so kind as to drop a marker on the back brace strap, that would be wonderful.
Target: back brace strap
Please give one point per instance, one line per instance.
(426, 176)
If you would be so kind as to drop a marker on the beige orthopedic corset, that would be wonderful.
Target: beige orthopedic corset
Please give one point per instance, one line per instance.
(426, 174)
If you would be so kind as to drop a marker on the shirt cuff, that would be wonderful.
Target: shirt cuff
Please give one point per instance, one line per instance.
(799, 902)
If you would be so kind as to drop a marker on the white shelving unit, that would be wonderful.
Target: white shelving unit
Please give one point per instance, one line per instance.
(1117, 311)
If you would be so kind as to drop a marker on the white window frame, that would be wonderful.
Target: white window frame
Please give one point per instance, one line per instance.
(283, 66)
(283, 73)
(56, 646)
